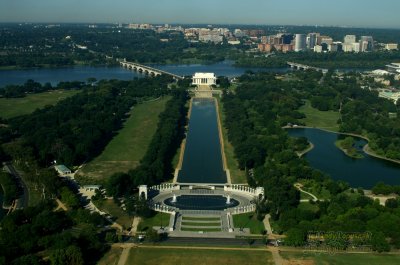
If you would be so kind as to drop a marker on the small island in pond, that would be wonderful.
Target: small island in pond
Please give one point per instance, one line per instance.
(347, 145)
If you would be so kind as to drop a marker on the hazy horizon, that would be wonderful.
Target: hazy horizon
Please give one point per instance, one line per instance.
(341, 13)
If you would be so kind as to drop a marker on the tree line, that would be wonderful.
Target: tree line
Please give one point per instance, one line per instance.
(79, 127)
(32, 87)
(255, 112)
(361, 110)
(156, 165)
(39, 235)
(331, 60)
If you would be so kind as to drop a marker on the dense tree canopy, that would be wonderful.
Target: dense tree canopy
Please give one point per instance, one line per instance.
(78, 128)
(255, 112)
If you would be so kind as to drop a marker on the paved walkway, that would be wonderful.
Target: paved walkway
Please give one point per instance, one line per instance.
(299, 186)
(267, 225)
(278, 260)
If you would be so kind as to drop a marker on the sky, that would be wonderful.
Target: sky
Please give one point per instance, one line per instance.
(353, 13)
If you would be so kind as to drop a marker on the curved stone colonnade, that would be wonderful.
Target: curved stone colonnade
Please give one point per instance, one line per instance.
(245, 195)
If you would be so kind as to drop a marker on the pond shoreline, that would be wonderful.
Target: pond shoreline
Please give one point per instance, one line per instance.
(366, 148)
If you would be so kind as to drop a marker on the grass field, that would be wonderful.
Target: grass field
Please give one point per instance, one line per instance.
(111, 257)
(237, 175)
(305, 196)
(340, 258)
(205, 224)
(171, 256)
(315, 188)
(211, 219)
(157, 220)
(200, 229)
(308, 206)
(248, 220)
(110, 207)
(320, 119)
(12, 107)
(128, 147)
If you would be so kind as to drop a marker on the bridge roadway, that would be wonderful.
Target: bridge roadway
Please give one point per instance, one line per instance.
(147, 69)
(306, 67)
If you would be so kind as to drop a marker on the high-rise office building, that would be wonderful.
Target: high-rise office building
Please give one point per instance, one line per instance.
(300, 43)
(349, 39)
(312, 40)
(367, 43)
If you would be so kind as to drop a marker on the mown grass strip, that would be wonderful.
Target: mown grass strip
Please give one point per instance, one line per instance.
(186, 218)
(201, 224)
(190, 229)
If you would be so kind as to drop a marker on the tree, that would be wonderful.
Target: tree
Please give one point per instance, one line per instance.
(379, 242)
(295, 237)
(72, 255)
(111, 237)
(152, 235)
(68, 197)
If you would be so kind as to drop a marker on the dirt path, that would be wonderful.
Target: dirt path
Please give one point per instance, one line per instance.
(124, 256)
(61, 205)
(135, 223)
(278, 260)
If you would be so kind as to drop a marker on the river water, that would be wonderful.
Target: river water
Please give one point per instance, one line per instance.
(202, 161)
(364, 172)
(82, 73)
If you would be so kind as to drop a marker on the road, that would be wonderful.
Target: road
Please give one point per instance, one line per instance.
(185, 241)
(23, 200)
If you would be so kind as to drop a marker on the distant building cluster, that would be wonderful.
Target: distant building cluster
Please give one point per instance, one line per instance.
(282, 42)
(318, 43)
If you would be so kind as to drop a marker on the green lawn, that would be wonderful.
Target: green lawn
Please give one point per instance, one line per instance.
(341, 258)
(320, 119)
(171, 256)
(110, 207)
(128, 147)
(157, 220)
(111, 257)
(190, 218)
(201, 224)
(248, 220)
(12, 107)
(200, 229)
(315, 188)
(308, 206)
(304, 196)
(237, 175)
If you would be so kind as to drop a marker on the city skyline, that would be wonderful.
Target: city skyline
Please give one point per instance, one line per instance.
(369, 13)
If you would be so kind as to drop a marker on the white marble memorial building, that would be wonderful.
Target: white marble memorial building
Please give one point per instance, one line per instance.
(204, 79)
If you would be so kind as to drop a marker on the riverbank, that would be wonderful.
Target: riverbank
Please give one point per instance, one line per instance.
(366, 147)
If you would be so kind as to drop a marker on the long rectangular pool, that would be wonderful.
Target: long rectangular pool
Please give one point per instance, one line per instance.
(202, 161)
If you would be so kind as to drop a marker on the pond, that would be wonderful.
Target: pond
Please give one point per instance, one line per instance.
(201, 202)
(364, 172)
(202, 160)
